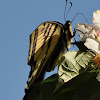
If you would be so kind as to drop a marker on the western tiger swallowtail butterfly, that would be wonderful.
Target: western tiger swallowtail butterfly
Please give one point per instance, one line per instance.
(47, 44)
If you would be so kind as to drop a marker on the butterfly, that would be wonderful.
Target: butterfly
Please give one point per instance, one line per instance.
(47, 45)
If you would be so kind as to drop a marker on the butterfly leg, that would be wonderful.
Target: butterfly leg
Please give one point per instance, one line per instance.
(74, 32)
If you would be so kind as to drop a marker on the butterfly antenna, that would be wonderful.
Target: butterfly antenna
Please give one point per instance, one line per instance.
(80, 14)
(69, 9)
(65, 15)
(65, 11)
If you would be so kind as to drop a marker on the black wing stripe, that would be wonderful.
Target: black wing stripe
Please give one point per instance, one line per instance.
(54, 29)
(34, 47)
(50, 37)
(50, 40)
(35, 37)
(50, 29)
(46, 36)
(49, 44)
(46, 29)
(35, 40)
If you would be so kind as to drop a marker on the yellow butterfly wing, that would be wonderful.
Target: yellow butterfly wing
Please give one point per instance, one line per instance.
(45, 48)
(41, 38)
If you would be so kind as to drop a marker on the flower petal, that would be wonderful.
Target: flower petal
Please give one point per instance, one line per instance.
(96, 18)
(83, 27)
(93, 45)
(84, 30)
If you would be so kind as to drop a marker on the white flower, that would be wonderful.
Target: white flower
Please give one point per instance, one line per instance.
(96, 18)
(90, 34)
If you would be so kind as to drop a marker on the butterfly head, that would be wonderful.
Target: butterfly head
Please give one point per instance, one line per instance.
(68, 27)
(68, 23)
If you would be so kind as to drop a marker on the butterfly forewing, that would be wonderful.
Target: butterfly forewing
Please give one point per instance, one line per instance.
(43, 41)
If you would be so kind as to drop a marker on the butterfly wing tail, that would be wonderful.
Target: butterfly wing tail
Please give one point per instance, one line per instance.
(35, 78)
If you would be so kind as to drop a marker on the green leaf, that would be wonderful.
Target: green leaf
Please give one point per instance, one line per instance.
(83, 87)
(73, 63)
(52, 78)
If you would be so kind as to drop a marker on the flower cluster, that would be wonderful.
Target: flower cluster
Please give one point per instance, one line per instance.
(90, 35)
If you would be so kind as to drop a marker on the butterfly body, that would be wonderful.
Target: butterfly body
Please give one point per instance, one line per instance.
(47, 44)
